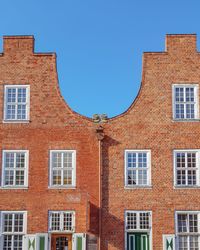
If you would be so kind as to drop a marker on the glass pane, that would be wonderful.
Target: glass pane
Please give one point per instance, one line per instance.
(142, 177)
(131, 160)
(7, 223)
(11, 95)
(57, 160)
(21, 111)
(67, 221)
(131, 220)
(9, 160)
(21, 95)
(193, 223)
(19, 177)
(182, 223)
(11, 112)
(144, 220)
(17, 244)
(67, 177)
(56, 177)
(9, 177)
(55, 221)
(183, 243)
(7, 242)
(194, 244)
(67, 160)
(20, 160)
(18, 223)
(131, 177)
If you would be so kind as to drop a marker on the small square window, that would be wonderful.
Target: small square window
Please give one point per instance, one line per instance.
(16, 103)
(185, 101)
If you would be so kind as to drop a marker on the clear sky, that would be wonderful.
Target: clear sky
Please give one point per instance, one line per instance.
(99, 43)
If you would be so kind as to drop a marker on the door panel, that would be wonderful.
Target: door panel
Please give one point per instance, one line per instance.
(137, 241)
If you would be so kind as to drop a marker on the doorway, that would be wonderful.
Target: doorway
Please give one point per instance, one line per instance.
(61, 242)
(138, 241)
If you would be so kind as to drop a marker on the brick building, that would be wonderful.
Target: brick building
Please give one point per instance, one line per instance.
(129, 182)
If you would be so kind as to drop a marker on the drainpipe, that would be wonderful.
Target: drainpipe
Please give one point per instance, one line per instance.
(100, 137)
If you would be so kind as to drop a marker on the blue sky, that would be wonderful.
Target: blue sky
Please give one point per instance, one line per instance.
(99, 43)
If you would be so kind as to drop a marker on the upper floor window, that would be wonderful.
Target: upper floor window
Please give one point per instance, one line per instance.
(185, 101)
(188, 230)
(15, 168)
(62, 168)
(13, 228)
(137, 168)
(61, 221)
(186, 166)
(16, 103)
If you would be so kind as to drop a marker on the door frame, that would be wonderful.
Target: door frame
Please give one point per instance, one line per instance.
(60, 235)
(150, 231)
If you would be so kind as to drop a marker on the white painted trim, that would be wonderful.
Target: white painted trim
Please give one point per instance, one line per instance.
(74, 242)
(164, 240)
(176, 222)
(148, 152)
(26, 169)
(27, 101)
(196, 95)
(16, 212)
(197, 151)
(150, 230)
(73, 186)
(61, 212)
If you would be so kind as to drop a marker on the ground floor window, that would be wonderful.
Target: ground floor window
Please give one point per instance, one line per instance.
(13, 228)
(138, 230)
(61, 221)
(187, 230)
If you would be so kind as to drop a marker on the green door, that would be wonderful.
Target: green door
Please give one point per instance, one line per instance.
(137, 241)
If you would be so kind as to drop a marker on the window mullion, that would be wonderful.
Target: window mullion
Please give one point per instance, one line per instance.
(136, 174)
(186, 168)
(62, 167)
(14, 174)
(16, 103)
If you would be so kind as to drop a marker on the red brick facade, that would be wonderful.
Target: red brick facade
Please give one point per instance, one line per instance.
(100, 172)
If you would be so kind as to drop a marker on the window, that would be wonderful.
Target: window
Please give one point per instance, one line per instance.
(185, 98)
(13, 228)
(61, 221)
(187, 230)
(15, 168)
(186, 164)
(137, 168)
(16, 102)
(138, 220)
(63, 167)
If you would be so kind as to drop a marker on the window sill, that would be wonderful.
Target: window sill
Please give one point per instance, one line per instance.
(186, 187)
(62, 187)
(13, 188)
(186, 120)
(139, 187)
(16, 121)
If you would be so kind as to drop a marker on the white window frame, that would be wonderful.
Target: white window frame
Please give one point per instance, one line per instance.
(196, 97)
(197, 151)
(186, 234)
(73, 185)
(6, 87)
(62, 221)
(26, 152)
(138, 230)
(148, 152)
(13, 233)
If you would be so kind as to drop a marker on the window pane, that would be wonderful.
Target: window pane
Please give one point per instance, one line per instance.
(9, 160)
(55, 221)
(11, 111)
(20, 160)
(142, 177)
(131, 160)
(11, 95)
(57, 160)
(67, 222)
(9, 177)
(21, 95)
(67, 177)
(18, 223)
(132, 177)
(56, 177)
(182, 223)
(193, 223)
(17, 244)
(21, 111)
(183, 245)
(144, 220)
(194, 244)
(7, 222)
(7, 242)
(67, 160)
(131, 220)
